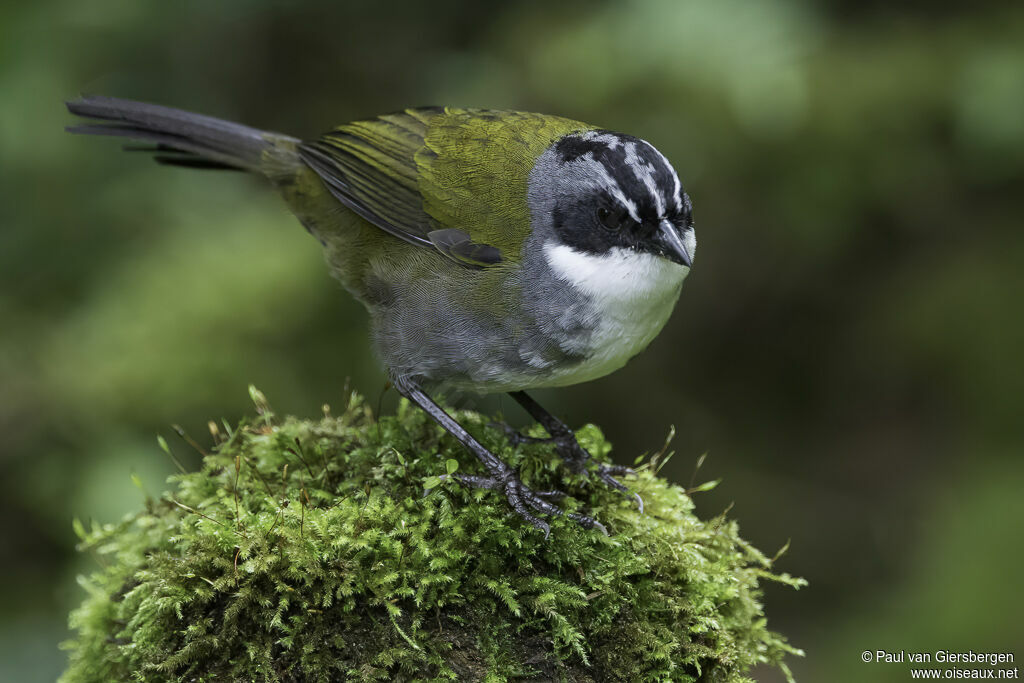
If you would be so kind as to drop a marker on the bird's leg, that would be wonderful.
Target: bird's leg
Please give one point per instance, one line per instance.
(500, 476)
(567, 446)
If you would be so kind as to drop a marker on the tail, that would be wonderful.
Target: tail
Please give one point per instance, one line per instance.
(181, 138)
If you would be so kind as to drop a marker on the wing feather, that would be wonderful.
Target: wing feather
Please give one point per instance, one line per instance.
(370, 167)
(453, 180)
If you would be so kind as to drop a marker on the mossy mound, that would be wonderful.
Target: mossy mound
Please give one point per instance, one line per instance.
(307, 551)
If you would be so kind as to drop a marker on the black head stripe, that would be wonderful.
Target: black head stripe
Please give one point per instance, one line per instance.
(638, 170)
(573, 146)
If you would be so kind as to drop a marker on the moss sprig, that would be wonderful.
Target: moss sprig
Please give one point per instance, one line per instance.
(329, 550)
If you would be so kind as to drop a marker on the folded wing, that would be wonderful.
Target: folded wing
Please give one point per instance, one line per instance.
(453, 180)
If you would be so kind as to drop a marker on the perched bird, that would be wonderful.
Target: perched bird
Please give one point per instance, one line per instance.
(496, 251)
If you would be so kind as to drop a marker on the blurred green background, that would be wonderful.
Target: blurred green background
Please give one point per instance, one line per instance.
(849, 348)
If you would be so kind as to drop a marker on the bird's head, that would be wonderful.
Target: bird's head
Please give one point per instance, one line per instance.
(609, 201)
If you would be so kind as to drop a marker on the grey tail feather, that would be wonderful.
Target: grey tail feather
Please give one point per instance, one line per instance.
(178, 137)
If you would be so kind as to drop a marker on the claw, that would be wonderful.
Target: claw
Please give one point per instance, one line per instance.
(610, 480)
(576, 457)
(588, 522)
(522, 499)
(513, 492)
(606, 471)
(500, 475)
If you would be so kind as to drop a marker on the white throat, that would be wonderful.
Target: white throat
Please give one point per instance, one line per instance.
(632, 295)
(619, 275)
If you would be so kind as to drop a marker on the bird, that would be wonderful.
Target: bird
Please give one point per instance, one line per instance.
(495, 251)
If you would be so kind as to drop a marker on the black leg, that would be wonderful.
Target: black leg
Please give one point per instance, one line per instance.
(501, 476)
(568, 447)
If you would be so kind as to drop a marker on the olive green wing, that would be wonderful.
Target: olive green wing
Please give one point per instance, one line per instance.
(453, 180)
(369, 166)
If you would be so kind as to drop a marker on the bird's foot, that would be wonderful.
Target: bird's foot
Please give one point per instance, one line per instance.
(524, 500)
(575, 457)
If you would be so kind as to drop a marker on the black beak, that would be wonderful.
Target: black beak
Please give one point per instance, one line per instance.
(671, 244)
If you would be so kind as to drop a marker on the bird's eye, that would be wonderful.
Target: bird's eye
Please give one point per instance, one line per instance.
(613, 220)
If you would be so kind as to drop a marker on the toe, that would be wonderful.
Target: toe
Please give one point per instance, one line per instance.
(550, 494)
(588, 522)
(612, 481)
(515, 492)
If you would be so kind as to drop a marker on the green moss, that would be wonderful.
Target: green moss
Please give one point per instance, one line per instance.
(307, 551)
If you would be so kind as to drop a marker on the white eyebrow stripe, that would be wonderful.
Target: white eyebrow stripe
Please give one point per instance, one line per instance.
(613, 187)
(677, 189)
(644, 172)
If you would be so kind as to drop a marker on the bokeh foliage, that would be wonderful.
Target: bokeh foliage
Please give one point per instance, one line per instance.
(847, 347)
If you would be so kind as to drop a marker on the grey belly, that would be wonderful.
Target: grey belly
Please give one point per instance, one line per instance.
(467, 353)
(446, 345)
